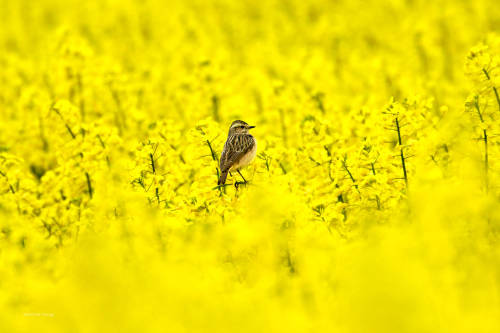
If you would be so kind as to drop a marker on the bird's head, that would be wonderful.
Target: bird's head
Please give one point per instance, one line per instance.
(239, 127)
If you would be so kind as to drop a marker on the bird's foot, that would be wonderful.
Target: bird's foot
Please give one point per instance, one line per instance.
(237, 184)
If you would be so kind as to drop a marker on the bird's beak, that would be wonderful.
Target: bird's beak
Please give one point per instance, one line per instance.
(250, 127)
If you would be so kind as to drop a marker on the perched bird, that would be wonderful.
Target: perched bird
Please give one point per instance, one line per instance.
(239, 150)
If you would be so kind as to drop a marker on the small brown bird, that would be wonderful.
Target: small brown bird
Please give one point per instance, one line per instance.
(239, 150)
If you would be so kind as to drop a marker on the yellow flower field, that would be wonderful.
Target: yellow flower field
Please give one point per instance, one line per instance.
(373, 204)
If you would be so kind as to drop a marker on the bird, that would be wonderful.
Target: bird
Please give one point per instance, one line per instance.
(239, 150)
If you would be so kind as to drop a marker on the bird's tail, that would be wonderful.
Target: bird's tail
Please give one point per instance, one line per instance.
(223, 176)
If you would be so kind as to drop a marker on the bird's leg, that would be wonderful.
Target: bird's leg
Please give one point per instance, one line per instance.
(241, 176)
(237, 183)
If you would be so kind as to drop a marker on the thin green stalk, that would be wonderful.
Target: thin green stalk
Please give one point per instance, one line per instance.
(377, 198)
(403, 163)
(485, 140)
(89, 185)
(494, 88)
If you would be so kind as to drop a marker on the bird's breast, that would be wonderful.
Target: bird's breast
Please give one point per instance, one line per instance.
(247, 158)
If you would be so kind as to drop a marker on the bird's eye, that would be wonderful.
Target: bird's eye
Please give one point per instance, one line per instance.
(242, 126)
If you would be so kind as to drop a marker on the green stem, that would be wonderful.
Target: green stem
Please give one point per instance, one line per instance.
(152, 163)
(89, 184)
(403, 163)
(212, 152)
(494, 88)
(485, 140)
(377, 198)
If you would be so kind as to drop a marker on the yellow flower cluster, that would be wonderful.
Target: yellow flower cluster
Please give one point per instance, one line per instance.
(373, 204)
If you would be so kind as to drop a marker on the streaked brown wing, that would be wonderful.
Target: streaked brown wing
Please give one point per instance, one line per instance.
(235, 148)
